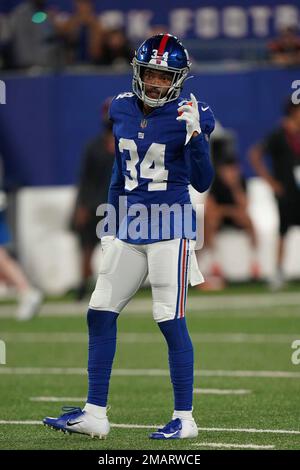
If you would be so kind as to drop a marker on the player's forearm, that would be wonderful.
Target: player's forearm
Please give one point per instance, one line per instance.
(201, 170)
(116, 189)
(114, 193)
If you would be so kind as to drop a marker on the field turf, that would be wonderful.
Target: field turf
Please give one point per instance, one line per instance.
(247, 389)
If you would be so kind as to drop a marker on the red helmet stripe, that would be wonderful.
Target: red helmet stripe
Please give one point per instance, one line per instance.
(162, 45)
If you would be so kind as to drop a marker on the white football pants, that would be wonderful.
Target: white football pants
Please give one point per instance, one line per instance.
(171, 264)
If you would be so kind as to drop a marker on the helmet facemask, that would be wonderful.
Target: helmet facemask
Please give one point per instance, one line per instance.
(174, 89)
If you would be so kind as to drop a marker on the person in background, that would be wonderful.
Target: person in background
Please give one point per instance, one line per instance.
(285, 50)
(283, 146)
(31, 36)
(30, 299)
(5, 55)
(82, 34)
(226, 207)
(117, 50)
(93, 187)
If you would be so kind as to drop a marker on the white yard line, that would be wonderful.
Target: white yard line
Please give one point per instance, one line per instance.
(28, 422)
(249, 373)
(42, 371)
(148, 372)
(134, 338)
(153, 426)
(199, 303)
(226, 445)
(202, 391)
(220, 391)
(58, 399)
(251, 430)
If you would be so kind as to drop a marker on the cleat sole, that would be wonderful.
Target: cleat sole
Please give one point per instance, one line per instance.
(69, 433)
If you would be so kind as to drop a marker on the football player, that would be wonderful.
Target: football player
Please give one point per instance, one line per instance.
(162, 145)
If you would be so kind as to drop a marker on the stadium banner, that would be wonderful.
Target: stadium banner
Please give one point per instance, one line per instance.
(205, 20)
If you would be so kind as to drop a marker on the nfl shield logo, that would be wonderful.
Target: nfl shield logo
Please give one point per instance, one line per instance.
(144, 123)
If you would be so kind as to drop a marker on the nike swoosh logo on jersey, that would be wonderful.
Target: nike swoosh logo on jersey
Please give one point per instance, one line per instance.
(204, 109)
(73, 424)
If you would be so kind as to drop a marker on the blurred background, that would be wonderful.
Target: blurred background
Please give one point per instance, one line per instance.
(61, 61)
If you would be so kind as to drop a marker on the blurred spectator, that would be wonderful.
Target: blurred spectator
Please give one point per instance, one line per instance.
(30, 36)
(82, 34)
(158, 29)
(117, 50)
(93, 187)
(11, 273)
(285, 50)
(226, 206)
(4, 43)
(283, 146)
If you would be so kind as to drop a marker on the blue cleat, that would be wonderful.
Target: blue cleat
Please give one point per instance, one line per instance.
(177, 429)
(75, 420)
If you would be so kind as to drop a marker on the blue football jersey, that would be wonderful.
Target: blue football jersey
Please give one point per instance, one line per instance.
(153, 166)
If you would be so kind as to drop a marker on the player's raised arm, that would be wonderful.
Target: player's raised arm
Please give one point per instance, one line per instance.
(199, 125)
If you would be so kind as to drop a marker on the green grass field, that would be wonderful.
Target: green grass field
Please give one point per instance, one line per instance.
(242, 346)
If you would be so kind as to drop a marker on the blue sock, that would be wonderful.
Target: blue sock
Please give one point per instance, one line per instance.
(181, 362)
(102, 347)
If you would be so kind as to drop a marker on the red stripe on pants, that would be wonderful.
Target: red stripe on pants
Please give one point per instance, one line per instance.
(183, 280)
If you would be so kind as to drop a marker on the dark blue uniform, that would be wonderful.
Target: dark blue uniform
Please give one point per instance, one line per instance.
(153, 165)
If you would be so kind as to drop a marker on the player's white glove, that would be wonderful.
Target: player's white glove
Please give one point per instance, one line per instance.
(190, 114)
(106, 241)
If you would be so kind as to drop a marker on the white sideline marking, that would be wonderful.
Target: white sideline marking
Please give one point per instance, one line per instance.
(202, 391)
(149, 338)
(148, 372)
(152, 426)
(231, 446)
(220, 391)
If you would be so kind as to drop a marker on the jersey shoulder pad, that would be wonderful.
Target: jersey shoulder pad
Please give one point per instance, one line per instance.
(120, 103)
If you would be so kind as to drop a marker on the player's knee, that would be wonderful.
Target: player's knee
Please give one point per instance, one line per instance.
(164, 302)
(101, 322)
(163, 311)
(177, 335)
(101, 298)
